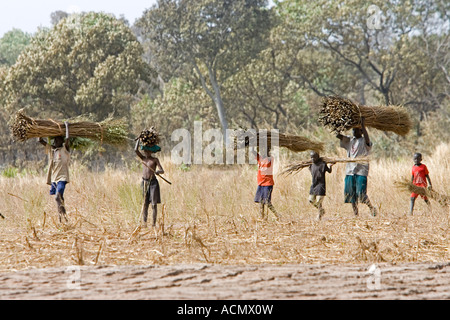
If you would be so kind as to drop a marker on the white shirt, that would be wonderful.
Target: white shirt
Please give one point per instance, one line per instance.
(356, 148)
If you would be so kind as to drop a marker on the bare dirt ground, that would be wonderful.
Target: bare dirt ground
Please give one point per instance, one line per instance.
(219, 282)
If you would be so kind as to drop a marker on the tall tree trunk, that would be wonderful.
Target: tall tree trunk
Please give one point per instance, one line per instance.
(219, 105)
(214, 95)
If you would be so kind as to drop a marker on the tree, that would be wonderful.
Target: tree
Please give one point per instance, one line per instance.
(263, 94)
(363, 38)
(87, 63)
(57, 16)
(205, 40)
(11, 45)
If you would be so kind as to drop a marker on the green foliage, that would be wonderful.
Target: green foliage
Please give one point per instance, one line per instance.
(11, 45)
(10, 172)
(87, 63)
(205, 41)
(238, 63)
(182, 104)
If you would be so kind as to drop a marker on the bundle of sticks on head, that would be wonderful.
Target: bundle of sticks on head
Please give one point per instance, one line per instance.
(340, 114)
(111, 131)
(408, 186)
(297, 167)
(291, 142)
(149, 137)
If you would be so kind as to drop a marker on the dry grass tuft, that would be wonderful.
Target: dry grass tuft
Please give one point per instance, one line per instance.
(297, 167)
(408, 186)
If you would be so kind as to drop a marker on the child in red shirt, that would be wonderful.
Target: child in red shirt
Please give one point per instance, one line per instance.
(265, 183)
(420, 176)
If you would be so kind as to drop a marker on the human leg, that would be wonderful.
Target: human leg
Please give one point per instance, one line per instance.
(58, 190)
(145, 205)
(155, 212)
(261, 210)
(355, 208)
(412, 202)
(361, 193)
(272, 208)
(318, 205)
(312, 199)
(350, 192)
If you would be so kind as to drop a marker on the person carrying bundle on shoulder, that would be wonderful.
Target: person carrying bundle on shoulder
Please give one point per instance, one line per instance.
(58, 170)
(355, 189)
(317, 192)
(150, 185)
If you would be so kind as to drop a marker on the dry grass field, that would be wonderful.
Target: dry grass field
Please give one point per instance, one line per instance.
(208, 216)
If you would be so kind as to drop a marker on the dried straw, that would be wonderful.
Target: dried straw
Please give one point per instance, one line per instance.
(408, 186)
(111, 131)
(291, 142)
(297, 167)
(340, 114)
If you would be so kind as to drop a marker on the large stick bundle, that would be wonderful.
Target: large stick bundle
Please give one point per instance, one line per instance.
(297, 167)
(149, 137)
(408, 186)
(341, 114)
(111, 131)
(291, 142)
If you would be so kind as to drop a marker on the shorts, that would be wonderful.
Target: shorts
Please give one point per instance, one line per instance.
(415, 195)
(150, 191)
(355, 189)
(58, 187)
(264, 194)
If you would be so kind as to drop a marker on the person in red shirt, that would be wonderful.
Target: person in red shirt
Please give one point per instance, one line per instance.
(265, 183)
(420, 176)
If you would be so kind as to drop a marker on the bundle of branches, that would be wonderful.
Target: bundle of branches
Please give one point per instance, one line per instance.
(297, 167)
(291, 142)
(408, 186)
(340, 114)
(299, 143)
(111, 131)
(149, 137)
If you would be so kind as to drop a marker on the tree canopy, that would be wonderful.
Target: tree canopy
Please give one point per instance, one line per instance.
(11, 45)
(87, 63)
(207, 40)
(238, 63)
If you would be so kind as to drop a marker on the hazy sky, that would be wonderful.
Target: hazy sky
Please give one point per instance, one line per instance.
(28, 15)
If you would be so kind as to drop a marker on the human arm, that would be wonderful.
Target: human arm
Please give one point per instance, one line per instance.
(430, 186)
(364, 132)
(344, 141)
(136, 149)
(42, 141)
(159, 167)
(330, 168)
(255, 154)
(67, 141)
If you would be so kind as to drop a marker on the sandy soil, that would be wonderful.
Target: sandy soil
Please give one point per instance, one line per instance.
(218, 282)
